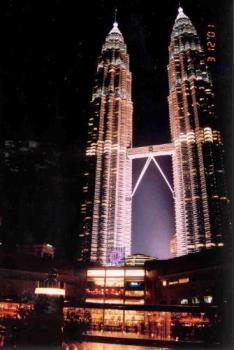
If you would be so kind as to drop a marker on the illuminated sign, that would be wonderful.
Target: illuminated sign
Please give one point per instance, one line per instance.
(135, 285)
(115, 257)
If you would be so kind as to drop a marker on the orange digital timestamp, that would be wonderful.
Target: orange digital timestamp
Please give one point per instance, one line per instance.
(211, 42)
(211, 59)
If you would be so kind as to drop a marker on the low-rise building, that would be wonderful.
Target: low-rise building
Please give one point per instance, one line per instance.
(194, 279)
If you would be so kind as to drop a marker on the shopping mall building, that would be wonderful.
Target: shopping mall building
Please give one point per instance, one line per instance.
(160, 298)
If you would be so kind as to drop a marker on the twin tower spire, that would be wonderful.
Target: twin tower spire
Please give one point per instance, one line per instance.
(115, 28)
(201, 203)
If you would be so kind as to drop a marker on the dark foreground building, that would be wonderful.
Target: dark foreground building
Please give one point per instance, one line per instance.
(194, 279)
(38, 195)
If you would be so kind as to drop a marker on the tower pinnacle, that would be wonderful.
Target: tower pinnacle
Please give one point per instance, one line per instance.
(115, 28)
(181, 13)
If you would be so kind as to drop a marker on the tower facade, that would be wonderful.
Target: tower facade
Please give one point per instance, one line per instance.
(201, 203)
(106, 207)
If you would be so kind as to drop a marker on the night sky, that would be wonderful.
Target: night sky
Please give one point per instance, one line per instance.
(48, 60)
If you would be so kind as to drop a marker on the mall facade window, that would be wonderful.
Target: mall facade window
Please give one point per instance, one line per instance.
(121, 285)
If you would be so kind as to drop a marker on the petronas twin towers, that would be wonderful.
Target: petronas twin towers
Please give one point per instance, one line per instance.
(201, 203)
(107, 192)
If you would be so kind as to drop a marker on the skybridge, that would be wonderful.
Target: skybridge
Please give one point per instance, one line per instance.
(150, 153)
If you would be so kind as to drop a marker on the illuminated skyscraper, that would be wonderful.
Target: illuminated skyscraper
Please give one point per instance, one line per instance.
(106, 207)
(201, 203)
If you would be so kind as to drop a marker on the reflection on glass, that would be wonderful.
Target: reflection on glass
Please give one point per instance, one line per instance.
(179, 326)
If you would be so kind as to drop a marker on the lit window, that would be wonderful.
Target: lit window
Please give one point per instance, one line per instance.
(133, 273)
(164, 283)
(114, 301)
(208, 299)
(171, 283)
(195, 300)
(183, 280)
(114, 273)
(134, 302)
(99, 301)
(184, 301)
(114, 282)
(50, 291)
(134, 293)
(96, 282)
(91, 273)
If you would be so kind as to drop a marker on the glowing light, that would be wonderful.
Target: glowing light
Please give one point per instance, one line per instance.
(92, 300)
(114, 301)
(115, 273)
(208, 299)
(171, 283)
(50, 291)
(134, 302)
(115, 257)
(183, 280)
(135, 273)
(134, 284)
(96, 273)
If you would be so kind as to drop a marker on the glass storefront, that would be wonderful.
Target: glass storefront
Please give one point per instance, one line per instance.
(13, 310)
(161, 325)
(139, 321)
(113, 320)
(117, 286)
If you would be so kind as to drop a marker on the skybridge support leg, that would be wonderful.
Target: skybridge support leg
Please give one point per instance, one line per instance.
(147, 163)
(164, 176)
